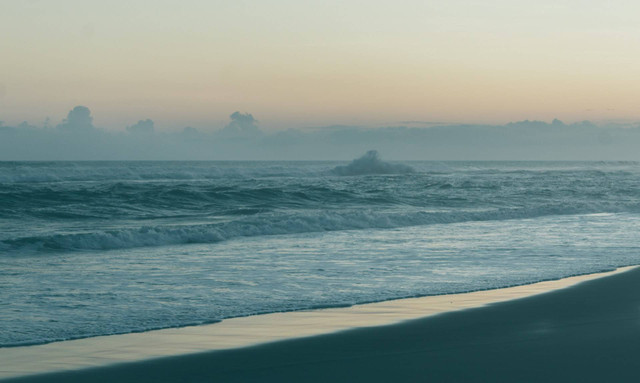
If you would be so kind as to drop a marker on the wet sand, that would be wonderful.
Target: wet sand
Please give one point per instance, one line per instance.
(587, 332)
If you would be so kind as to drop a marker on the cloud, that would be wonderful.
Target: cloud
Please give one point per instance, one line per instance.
(78, 119)
(242, 125)
(419, 122)
(77, 139)
(190, 133)
(142, 127)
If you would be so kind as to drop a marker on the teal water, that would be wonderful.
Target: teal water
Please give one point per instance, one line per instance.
(101, 248)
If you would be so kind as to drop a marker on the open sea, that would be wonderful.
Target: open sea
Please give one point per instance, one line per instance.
(97, 248)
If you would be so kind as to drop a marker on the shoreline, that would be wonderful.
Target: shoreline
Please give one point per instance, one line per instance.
(597, 274)
(258, 330)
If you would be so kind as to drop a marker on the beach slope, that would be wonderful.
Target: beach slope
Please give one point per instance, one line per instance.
(588, 332)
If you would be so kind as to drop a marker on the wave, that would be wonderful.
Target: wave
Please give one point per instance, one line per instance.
(270, 224)
(171, 200)
(370, 163)
(40, 172)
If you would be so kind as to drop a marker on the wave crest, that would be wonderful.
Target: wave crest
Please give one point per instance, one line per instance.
(268, 224)
(370, 163)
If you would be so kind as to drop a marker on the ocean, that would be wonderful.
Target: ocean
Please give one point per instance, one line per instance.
(98, 248)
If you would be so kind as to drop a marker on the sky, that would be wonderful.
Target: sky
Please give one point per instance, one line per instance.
(317, 63)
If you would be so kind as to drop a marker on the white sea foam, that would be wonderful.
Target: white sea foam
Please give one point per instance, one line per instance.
(370, 163)
(139, 289)
(269, 224)
(149, 245)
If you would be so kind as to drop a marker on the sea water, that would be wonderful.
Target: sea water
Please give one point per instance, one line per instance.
(101, 248)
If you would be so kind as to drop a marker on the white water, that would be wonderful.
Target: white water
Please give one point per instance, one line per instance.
(84, 257)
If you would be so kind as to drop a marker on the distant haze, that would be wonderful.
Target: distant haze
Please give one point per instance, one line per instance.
(241, 138)
(319, 63)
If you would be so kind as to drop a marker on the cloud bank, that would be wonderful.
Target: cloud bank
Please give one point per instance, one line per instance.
(76, 138)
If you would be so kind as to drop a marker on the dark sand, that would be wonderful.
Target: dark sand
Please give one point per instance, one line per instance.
(589, 332)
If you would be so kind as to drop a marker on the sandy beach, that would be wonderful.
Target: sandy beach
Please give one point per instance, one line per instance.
(587, 331)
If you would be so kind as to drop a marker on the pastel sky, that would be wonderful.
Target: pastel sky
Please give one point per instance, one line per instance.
(294, 63)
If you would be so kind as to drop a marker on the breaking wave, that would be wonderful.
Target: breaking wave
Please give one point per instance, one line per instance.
(160, 204)
(270, 224)
(370, 163)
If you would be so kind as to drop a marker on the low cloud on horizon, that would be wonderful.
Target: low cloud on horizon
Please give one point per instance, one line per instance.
(76, 138)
